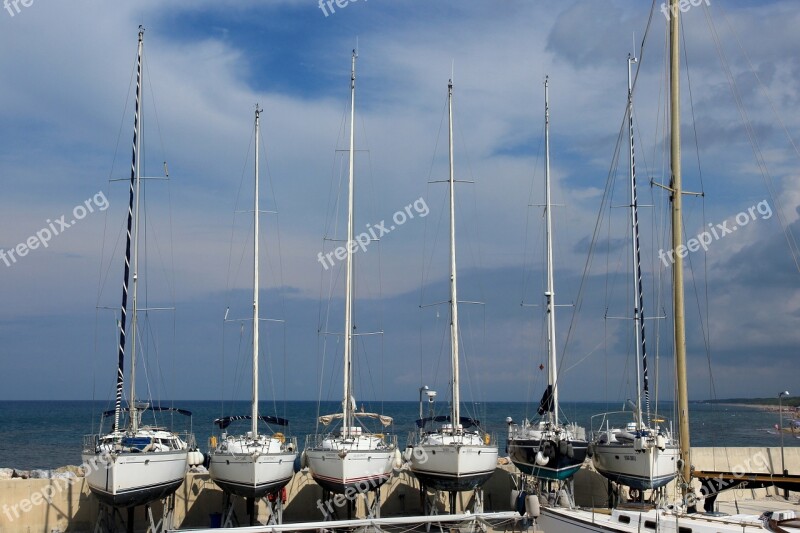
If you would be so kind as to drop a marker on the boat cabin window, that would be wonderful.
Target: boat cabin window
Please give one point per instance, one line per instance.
(624, 519)
(684, 530)
(649, 524)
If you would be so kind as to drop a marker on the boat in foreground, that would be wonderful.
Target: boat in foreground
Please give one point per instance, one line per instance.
(253, 465)
(548, 448)
(641, 454)
(352, 460)
(135, 464)
(459, 455)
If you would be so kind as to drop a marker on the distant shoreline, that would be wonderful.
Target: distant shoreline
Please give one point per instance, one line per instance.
(788, 410)
(759, 406)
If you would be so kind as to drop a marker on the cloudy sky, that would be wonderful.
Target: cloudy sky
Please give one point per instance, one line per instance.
(66, 122)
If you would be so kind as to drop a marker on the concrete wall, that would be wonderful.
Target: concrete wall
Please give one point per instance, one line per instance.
(71, 508)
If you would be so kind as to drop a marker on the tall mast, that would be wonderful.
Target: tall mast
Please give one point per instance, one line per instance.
(126, 276)
(677, 240)
(642, 380)
(254, 406)
(456, 410)
(348, 297)
(552, 371)
(134, 415)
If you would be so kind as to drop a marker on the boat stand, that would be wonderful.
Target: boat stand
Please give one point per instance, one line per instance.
(275, 503)
(613, 494)
(561, 493)
(569, 486)
(107, 519)
(477, 505)
(429, 507)
(165, 524)
(477, 508)
(251, 510)
(328, 507)
(327, 511)
(109, 516)
(374, 508)
(659, 497)
(229, 518)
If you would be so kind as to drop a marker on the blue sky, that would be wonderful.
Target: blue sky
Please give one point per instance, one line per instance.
(66, 70)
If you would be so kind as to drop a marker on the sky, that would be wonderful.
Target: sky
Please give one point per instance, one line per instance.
(66, 124)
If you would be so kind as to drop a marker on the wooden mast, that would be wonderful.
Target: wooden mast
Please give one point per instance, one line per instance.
(677, 241)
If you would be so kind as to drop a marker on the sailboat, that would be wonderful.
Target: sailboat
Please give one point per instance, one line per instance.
(352, 460)
(253, 465)
(135, 463)
(547, 448)
(459, 455)
(680, 516)
(641, 455)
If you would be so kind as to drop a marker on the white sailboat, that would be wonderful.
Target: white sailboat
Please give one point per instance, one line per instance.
(680, 517)
(458, 456)
(548, 448)
(135, 463)
(642, 455)
(253, 465)
(352, 460)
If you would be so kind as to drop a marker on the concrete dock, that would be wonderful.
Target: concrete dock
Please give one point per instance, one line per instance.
(65, 504)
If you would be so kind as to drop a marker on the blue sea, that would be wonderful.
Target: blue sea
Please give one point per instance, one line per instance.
(49, 434)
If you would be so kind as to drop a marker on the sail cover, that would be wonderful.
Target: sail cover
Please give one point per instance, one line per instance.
(327, 419)
(226, 421)
(546, 403)
(463, 420)
(183, 412)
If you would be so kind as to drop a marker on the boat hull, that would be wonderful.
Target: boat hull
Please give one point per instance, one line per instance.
(351, 471)
(559, 466)
(126, 479)
(646, 469)
(624, 521)
(453, 467)
(251, 475)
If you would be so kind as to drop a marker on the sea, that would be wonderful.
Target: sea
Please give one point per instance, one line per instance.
(49, 434)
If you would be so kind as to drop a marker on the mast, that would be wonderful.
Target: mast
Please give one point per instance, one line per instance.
(348, 297)
(552, 371)
(642, 380)
(455, 416)
(254, 407)
(131, 202)
(134, 415)
(677, 240)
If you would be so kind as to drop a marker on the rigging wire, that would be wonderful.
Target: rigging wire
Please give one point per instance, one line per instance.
(427, 264)
(761, 162)
(324, 315)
